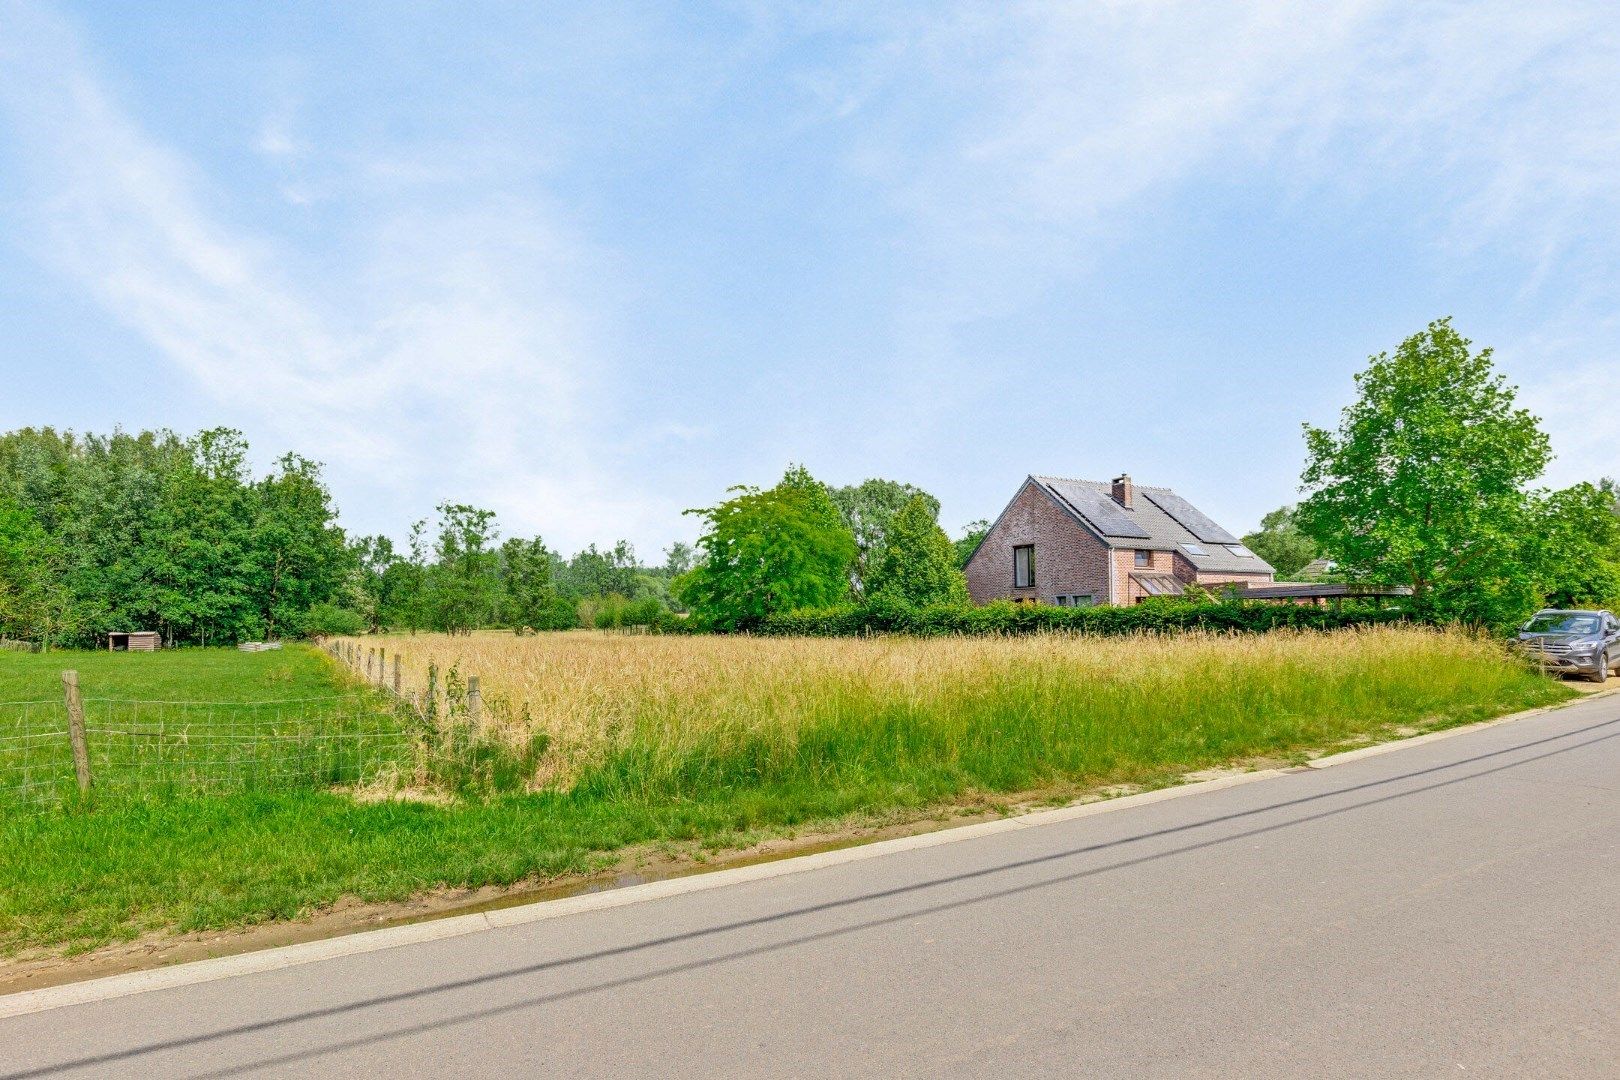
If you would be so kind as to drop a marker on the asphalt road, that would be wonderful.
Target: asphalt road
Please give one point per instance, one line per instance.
(1448, 909)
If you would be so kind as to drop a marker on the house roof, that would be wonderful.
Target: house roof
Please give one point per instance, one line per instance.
(1158, 520)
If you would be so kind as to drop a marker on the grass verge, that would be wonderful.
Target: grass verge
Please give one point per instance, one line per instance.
(730, 738)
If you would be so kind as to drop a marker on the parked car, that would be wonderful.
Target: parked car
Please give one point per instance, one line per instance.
(1584, 642)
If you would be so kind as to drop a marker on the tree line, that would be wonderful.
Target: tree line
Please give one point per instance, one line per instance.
(1431, 480)
(154, 531)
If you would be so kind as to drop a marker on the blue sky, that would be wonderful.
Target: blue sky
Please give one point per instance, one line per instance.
(591, 264)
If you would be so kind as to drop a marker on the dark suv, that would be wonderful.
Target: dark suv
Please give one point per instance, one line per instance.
(1587, 642)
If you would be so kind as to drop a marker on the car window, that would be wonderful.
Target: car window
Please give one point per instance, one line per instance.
(1563, 623)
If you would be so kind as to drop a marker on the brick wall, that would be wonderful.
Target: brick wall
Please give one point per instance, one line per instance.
(1159, 562)
(1069, 560)
(1186, 571)
(1214, 580)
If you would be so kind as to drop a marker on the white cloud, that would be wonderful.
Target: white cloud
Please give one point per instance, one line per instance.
(455, 359)
(1020, 139)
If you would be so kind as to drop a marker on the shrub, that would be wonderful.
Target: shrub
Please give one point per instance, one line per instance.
(1003, 617)
(559, 614)
(329, 620)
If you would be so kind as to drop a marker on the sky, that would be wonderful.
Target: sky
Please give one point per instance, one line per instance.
(589, 265)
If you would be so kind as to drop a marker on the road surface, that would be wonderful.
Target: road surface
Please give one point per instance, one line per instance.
(1447, 909)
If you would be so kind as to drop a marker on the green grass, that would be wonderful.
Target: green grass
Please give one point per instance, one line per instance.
(176, 674)
(858, 743)
(190, 718)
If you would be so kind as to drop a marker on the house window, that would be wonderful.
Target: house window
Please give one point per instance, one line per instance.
(1024, 567)
(1144, 558)
(1081, 601)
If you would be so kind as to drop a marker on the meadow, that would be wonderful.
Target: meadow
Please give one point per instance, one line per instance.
(667, 716)
(641, 740)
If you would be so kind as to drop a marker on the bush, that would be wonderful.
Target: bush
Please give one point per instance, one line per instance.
(615, 611)
(560, 614)
(329, 620)
(1003, 617)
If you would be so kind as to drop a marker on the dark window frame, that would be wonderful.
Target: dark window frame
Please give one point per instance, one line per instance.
(1030, 584)
(1144, 559)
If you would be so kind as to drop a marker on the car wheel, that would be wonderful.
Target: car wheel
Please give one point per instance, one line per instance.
(1601, 673)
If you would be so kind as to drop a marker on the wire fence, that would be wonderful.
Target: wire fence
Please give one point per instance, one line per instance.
(152, 747)
(378, 735)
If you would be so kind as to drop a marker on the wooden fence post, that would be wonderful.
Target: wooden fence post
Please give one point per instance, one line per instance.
(475, 705)
(81, 748)
(396, 673)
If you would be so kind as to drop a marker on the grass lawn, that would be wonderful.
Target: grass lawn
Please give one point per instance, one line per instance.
(174, 674)
(194, 718)
(683, 739)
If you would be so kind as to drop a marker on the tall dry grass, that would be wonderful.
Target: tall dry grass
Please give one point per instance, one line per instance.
(655, 715)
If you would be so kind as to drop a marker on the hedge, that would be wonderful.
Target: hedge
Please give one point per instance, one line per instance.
(1001, 617)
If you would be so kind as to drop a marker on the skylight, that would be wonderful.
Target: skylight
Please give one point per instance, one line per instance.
(1194, 549)
(1240, 551)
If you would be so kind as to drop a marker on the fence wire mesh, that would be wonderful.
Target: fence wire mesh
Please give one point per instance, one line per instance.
(374, 737)
(153, 747)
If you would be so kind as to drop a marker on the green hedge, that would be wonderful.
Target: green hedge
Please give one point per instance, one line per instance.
(1001, 617)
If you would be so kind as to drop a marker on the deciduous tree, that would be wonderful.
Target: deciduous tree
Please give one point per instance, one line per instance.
(1425, 481)
(1282, 543)
(868, 509)
(769, 551)
(918, 566)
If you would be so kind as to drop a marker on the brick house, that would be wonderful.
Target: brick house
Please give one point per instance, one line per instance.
(1081, 542)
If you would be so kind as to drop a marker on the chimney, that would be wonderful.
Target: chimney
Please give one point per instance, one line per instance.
(1123, 491)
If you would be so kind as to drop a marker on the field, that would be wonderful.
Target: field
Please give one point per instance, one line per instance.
(190, 718)
(692, 740)
(666, 716)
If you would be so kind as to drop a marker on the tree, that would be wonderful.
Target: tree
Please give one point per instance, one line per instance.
(530, 595)
(973, 534)
(33, 605)
(768, 551)
(299, 558)
(409, 601)
(1282, 543)
(1577, 540)
(868, 508)
(151, 531)
(593, 573)
(918, 566)
(372, 580)
(679, 557)
(1425, 480)
(463, 582)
